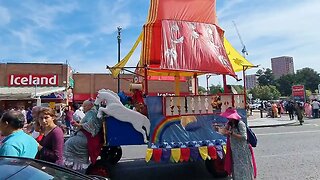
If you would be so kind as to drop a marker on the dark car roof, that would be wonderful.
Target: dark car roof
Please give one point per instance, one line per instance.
(13, 167)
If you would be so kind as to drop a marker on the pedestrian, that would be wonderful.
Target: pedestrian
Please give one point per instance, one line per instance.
(51, 145)
(78, 115)
(29, 115)
(16, 143)
(68, 118)
(86, 142)
(274, 110)
(315, 108)
(308, 109)
(279, 109)
(299, 111)
(239, 158)
(290, 108)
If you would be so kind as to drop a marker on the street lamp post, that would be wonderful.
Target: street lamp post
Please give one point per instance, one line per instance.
(119, 42)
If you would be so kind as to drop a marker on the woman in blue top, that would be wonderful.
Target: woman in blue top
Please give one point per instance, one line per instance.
(17, 143)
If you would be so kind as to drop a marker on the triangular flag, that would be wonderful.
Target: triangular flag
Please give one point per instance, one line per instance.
(176, 154)
(185, 154)
(148, 154)
(212, 152)
(203, 152)
(157, 154)
(237, 61)
(166, 153)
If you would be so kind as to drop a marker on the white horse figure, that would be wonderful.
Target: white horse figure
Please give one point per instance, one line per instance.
(116, 109)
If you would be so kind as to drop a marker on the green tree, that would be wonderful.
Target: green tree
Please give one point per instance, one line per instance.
(214, 89)
(202, 90)
(265, 77)
(265, 93)
(308, 77)
(284, 84)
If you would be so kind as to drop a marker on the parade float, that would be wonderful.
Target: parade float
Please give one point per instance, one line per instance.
(181, 40)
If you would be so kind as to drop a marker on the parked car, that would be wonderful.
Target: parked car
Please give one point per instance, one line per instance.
(255, 106)
(24, 168)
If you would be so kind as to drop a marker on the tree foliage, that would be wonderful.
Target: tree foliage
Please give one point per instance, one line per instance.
(284, 84)
(265, 77)
(265, 93)
(309, 78)
(202, 90)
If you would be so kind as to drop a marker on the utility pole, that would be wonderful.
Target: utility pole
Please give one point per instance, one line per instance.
(119, 42)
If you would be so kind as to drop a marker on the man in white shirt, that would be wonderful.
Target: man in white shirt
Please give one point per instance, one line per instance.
(315, 108)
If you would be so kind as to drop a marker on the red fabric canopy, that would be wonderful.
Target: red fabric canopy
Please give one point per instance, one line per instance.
(181, 36)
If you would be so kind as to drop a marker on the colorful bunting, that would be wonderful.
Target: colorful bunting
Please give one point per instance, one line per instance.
(149, 154)
(166, 153)
(212, 152)
(157, 154)
(194, 153)
(176, 154)
(203, 152)
(185, 154)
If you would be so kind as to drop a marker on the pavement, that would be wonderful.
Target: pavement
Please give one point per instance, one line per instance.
(255, 120)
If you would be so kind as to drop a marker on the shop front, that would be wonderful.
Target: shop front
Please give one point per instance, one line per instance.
(24, 85)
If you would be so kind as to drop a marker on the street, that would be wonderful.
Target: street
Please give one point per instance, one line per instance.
(284, 152)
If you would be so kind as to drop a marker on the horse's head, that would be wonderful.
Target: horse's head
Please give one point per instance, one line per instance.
(107, 96)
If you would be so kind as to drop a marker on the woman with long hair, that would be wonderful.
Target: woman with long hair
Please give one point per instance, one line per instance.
(51, 145)
(239, 157)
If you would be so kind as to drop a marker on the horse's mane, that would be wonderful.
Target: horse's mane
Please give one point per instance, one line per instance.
(109, 92)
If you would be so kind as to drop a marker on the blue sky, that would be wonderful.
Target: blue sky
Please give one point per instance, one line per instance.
(84, 32)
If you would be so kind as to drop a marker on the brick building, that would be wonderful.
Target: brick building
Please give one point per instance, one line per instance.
(87, 85)
(22, 83)
(251, 81)
(282, 66)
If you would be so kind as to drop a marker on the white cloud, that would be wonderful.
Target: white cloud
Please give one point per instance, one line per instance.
(276, 28)
(27, 38)
(44, 15)
(5, 17)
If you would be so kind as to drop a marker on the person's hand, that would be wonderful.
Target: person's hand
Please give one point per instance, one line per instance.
(39, 147)
(75, 124)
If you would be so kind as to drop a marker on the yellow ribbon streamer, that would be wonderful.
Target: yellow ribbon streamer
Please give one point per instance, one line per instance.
(115, 70)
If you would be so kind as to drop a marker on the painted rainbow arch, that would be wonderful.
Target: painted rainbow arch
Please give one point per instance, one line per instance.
(159, 129)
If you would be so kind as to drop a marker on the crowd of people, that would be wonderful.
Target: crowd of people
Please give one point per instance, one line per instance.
(40, 133)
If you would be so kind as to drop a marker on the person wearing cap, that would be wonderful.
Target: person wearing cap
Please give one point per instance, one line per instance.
(16, 143)
(239, 157)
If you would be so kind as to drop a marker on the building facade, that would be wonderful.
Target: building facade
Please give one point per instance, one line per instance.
(282, 66)
(251, 81)
(87, 85)
(23, 84)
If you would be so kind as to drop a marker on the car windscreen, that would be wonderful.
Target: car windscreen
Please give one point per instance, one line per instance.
(28, 169)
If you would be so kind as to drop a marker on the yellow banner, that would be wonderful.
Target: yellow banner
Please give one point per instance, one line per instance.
(237, 61)
(115, 70)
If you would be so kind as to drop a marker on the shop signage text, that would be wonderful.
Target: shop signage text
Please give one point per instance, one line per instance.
(33, 80)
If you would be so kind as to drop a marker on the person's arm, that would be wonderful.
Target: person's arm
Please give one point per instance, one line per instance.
(90, 125)
(57, 141)
(8, 150)
(242, 132)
